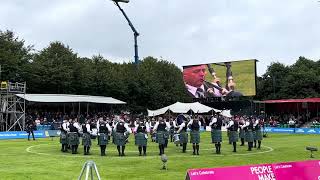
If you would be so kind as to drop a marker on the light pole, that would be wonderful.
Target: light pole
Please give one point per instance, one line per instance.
(135, 32)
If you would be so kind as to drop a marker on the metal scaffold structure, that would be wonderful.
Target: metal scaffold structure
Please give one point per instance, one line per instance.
(12, 112)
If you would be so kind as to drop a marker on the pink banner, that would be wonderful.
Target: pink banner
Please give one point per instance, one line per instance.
(307, 170)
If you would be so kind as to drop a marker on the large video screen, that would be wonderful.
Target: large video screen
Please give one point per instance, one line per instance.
(230, 79)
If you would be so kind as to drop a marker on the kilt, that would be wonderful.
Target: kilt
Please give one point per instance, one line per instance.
(241, 133)
(233, 136)
(216, 135)
(63, 138)
(160, 137)
(73, 139)
(249, 136)
(119, 139)
(140, 139)
(258, 135)
(171, 131)
(86, 139)
(166, 135)
(103, 139)
(195, 137)
(184, 137)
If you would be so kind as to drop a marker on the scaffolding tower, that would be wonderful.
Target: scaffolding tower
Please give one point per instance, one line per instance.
(12, 112)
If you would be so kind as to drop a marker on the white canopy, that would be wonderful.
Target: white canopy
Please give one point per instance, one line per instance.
(226, 113)
(64, 98)
(179, 107)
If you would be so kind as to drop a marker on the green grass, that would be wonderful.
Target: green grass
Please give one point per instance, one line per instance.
(45, 161)
(243, 73)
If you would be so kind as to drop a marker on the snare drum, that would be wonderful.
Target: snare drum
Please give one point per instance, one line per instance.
(176, 138)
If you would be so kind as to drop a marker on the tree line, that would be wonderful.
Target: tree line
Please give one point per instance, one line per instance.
(155, 83)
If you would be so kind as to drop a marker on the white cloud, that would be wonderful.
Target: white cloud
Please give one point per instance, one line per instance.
(184, 32)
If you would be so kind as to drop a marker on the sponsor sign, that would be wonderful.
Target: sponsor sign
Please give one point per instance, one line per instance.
(277, 171)
(292, 130)
(20, 135)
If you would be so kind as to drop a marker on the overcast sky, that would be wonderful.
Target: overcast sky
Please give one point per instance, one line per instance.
(181, 31)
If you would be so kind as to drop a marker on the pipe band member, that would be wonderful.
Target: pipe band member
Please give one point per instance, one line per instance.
(258, 133)
(233, 127)
(86, 137)
(63, 135)
(141, 137)
(216, 134)
(104, 131)
(74, 136)
(248, 129)
(160, 129)
(122, 132)
(183, 134)
(195, 125)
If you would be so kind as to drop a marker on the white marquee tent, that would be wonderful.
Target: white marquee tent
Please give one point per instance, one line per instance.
(179, 107)
(68, 98)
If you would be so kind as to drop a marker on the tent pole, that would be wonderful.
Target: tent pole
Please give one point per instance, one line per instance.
(79, 109)
(87, 108)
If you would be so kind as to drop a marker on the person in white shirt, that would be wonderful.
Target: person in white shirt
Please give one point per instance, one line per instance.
(248, 129)
(233, 126)
(194, 125)
(216, 134)
(74, 135)
(63, 135)
(160, 129)
(183, 133)
(257, 134)
(86, 137)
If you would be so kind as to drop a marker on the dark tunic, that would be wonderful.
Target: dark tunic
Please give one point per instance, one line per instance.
(119, 136)
(233, 136)
(73, 135)
(103, 137)
(258, 133)
(140, 137)
(216, 134)
(161, 133)
(86, 138)
(63, 135)
(248, 133)
(195, 133)
(184, 135)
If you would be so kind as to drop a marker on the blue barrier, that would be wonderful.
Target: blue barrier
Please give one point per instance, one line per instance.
(292, 130)
(21, 134)
(43, 127)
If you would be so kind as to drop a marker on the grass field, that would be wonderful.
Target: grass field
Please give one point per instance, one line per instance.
(42, 159)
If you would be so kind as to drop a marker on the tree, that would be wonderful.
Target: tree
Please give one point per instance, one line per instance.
(14, 56)
(53, 69)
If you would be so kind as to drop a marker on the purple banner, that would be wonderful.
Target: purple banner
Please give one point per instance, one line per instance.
(279, 171)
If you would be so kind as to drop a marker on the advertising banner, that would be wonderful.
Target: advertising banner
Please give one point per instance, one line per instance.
(20, 134)
(303, 170)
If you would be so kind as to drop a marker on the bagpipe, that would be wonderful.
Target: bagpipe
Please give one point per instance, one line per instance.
(228, 90)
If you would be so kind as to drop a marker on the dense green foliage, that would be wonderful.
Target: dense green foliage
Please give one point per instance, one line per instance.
(57, 69)
(300, 80)
(45, 161)
(153, 84)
